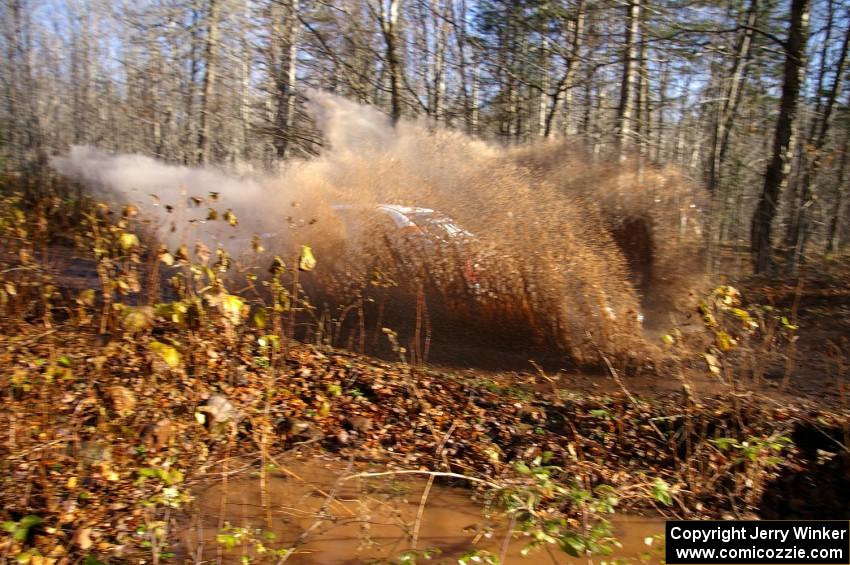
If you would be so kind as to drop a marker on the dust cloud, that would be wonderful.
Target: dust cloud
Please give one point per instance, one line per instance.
(545, 249)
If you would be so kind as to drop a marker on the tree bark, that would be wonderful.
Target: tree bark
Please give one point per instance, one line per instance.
(812, 156)
(732, 99)
(761, 245)
(625, 108)
(833, 238)
(565, 83)
(389, 28)
(210, 71)
(285, 83)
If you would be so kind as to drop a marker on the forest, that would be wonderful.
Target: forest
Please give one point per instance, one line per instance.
(408, 281)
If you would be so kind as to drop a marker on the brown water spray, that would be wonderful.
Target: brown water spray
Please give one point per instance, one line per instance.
(561, 253)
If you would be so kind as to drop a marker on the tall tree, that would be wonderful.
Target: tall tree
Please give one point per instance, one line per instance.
(628, 81)
(812, 155)
(388, 18)
(210, 73)
(728, 107)
(776, 174)
(287, 25)
(574, 35)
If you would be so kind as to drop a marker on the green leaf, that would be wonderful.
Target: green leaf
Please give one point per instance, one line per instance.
(147, 472)
(522, 468)
(20, 530)
(172, 476)
(573, 545)
(661, 492)
(724, 443)
(26, 557)
(227, 540)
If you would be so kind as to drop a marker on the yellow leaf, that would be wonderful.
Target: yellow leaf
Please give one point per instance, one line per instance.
(306, 261)
(86, 297)
(713, 364)
(128, 241)
(742, 314)
(232, 307)
(261, 317)
(324, 409)
(135, 318)
(724, 341)
(169, 354)
(182, 253)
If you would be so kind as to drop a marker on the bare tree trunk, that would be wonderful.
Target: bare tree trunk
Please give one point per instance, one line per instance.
(625, 108)
(660, 154)
(210, 71)
(731, 99)
(389, 28)
(643, 119)
(285, 83)
(543, 80)
(441, 23)
(25, 137)
(459, 25)
(761, 245)
(474, 111)
(813, 156)
(565, 83)
(833, 236)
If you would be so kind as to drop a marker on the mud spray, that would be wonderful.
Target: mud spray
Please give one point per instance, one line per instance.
(558, 253)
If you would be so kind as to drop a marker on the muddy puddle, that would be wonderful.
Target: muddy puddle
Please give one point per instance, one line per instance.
(368, 519)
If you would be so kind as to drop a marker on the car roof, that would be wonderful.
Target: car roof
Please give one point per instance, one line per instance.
(399, 214)
(405, 216)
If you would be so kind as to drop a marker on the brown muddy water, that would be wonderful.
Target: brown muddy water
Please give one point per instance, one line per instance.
(367, 520)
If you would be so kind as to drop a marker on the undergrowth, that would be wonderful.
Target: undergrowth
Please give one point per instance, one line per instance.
(123, 397)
